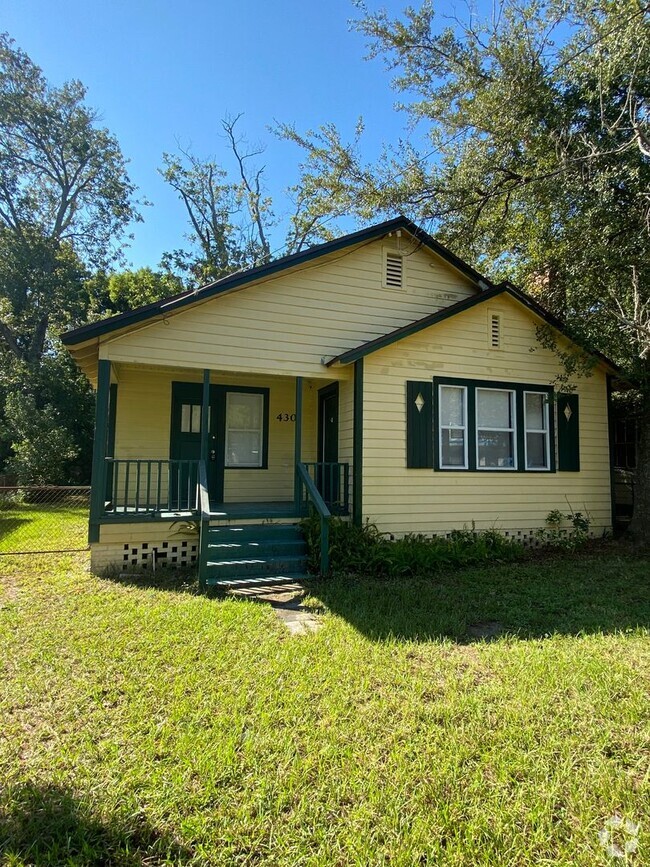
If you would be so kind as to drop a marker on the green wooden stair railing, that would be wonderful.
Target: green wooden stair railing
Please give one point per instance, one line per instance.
(322, 511)
(332, 478)
(204, 508)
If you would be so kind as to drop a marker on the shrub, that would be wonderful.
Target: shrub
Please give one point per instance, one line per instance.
(554, 535)
(365, 551)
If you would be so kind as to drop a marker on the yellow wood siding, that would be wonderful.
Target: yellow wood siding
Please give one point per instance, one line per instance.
(402, 500)
(143, 423)
(291, 322)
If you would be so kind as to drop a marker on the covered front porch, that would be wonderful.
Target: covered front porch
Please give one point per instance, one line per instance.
(218, 446)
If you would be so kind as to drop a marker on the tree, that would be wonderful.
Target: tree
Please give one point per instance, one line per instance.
(229, 219)
(537, 163)
(65, 201)
(232, 218)
(126, 290)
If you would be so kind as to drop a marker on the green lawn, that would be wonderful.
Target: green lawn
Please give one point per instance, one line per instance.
(43, 528)
(152, 726)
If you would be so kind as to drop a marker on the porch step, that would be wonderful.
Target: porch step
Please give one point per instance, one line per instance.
(255, 532)
(255, 553)
(263, 581)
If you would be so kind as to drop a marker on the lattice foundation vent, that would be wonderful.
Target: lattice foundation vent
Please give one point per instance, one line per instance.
(174, 555)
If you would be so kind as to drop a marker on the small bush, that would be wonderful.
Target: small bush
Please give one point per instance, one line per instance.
(365, 551)
(554, 535)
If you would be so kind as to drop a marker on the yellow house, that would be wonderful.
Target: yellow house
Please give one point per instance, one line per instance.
(377, 376)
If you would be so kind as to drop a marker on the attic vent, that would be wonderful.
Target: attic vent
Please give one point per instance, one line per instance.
(495, 331)
(394, 272)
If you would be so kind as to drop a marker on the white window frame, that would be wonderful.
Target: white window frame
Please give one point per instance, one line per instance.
(464, 428)
(546, 432)
(512, 430)
(247, 466)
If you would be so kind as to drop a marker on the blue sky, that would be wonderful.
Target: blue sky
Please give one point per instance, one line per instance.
(164, 71)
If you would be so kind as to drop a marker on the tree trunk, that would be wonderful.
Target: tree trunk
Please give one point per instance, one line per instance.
(640, 523)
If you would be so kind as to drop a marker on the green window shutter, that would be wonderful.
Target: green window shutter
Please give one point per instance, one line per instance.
(568, 433)
(419, 424)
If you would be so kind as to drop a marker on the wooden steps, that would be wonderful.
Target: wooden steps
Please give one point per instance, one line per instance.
(255, 555)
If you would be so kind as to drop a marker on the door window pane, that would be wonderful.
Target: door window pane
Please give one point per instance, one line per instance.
(244, 429)
(191, 418)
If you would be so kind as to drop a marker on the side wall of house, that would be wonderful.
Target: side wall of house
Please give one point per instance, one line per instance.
(401, 500)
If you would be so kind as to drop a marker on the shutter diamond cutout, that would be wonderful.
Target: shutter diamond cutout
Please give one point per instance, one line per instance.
(419, 402)
(567, 412)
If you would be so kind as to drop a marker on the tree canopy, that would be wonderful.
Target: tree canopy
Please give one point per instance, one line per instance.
(65, 202)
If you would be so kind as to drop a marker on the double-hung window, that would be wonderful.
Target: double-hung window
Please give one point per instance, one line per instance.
(493, 426)
(245, 424)
(536, 421)
(495, 429)
(453, 426)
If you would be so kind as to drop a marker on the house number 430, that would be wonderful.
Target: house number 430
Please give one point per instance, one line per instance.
(285, 416)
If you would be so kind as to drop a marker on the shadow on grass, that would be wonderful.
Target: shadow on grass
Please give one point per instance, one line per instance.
(169, 580)
(10, 525)
(45, 826)
(588, 594)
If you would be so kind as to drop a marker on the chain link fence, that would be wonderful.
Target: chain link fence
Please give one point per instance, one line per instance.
(37, 519)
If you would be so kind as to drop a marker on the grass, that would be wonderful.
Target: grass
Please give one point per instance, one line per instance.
(145, 725)
(43, 528)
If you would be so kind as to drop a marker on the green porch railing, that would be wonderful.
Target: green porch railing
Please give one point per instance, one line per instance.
(332, 480)
(148, 486)
(319, 504)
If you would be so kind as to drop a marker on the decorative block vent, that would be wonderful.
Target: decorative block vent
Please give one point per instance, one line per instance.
(394, 273)
(174, 554)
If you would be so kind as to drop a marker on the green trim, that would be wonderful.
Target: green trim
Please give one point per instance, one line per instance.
(568, 434)
(519, 388)
(110, 445)
(419, 425)
(357, 445)
(205, 415)
(297, 445)
(453, 310)
(612, 450)
(98, 481)
(235, 281)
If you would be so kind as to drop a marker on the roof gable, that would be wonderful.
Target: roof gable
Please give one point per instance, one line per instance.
(124, 321)
(453, 310)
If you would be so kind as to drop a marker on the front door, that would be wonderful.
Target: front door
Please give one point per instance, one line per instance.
(328, 443)
(185, 444)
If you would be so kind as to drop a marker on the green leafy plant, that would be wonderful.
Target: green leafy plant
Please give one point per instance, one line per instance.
(556, 535)
(365, 551)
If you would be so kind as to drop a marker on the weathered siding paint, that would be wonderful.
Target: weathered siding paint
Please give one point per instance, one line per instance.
(144, 422)
(402, 500)
(290, 323)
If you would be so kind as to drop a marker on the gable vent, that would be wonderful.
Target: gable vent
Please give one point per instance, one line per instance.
(495, 331)
(394, 271)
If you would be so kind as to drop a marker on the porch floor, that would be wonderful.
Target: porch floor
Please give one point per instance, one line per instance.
(275, 509)
(218, 511)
